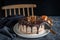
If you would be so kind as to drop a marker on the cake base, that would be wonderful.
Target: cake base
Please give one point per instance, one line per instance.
(41, 34)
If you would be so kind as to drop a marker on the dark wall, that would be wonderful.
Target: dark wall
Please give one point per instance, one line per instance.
(44, 7)
(53, 7)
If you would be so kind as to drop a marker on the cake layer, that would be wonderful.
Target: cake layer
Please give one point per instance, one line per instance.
(32, 24)
(30, 30)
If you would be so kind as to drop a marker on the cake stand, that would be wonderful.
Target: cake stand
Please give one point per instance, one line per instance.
(15, 29)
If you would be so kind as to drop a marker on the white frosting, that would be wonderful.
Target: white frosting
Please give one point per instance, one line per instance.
(34, 29)
(24, 30)
(41, 29)
(28, 29)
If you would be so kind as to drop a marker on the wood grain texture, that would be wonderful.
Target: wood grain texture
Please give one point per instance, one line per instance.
(19, 6)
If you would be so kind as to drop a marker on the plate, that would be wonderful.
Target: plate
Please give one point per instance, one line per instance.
(15, 29)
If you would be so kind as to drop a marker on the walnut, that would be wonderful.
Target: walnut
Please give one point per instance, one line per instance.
(31, 18)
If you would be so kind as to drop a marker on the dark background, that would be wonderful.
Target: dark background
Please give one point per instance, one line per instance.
(47, 7)
(44, 7)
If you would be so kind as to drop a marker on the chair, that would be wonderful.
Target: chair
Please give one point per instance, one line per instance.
(19, 6)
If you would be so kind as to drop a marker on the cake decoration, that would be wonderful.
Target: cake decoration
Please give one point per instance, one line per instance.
(32, 24)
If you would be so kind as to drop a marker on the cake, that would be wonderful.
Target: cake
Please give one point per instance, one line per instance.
(32, 24)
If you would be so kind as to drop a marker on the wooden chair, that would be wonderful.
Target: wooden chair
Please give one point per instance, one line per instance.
(19, 6)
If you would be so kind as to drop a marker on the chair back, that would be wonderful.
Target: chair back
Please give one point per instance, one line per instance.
(19, 6)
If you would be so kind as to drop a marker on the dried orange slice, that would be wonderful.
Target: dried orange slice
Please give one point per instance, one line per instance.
(44, 17)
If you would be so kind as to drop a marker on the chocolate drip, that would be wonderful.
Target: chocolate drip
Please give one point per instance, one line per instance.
(31, 29)
(37, 29)
(26, 29)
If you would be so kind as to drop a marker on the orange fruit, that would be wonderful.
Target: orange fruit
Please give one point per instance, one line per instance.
(44, 17)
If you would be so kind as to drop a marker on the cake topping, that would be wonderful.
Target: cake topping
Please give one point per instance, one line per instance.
(35, 20)
(31, 19)
(44, 17)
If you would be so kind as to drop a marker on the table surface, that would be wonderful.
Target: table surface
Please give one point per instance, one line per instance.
(7, 33)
